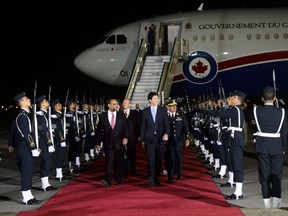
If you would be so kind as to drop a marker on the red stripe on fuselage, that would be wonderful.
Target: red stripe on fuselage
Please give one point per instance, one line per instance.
(252, 59)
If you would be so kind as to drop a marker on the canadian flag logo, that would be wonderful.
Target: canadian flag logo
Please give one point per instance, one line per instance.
(199, 68)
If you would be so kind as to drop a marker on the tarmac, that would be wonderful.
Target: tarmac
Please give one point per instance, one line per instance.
(250, 205)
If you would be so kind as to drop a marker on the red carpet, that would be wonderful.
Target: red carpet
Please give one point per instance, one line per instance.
(196, 194)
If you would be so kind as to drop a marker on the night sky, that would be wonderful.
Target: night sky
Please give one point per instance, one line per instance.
(40, 39)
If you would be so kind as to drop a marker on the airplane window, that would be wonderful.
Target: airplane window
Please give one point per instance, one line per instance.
(121, 39)
(212, 37)
(276, 35)
(267, 36)
(249, 36)
(195, 37)
(230, 36)
(258, 36)
(221, 37)
(111, 40)
(203, 37)
(285, 35)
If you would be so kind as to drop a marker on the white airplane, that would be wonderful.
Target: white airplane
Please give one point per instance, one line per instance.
(245, 49)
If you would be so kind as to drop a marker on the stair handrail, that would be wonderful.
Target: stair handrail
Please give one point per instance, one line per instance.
(165, 82)
(137, 69)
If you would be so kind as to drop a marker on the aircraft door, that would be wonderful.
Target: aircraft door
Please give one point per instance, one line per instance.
(173, 31)
(143, 34)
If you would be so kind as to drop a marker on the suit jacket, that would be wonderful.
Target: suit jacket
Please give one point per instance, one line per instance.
(112, 138)
(149, 129)
(134, 125)
(269, 118)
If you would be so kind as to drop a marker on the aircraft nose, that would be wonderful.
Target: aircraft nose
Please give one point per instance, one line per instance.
(83, 61)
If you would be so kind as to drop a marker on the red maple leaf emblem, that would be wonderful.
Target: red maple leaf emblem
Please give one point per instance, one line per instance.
(199, 67)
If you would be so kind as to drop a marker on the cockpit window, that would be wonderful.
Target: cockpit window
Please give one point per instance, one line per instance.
(111, 39)
(121, 39)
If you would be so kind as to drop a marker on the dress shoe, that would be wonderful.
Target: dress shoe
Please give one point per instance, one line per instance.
(151, 181)
(157, 182)
(170, 181)
(60, 179)
(32, 202)
(234, 197)
(227, 184)
(119, 183)
(218, 176)
(179, 178)
(106, 183)
(50, 188)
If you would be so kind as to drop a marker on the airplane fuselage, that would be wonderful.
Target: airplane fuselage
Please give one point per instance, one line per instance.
(240, 47)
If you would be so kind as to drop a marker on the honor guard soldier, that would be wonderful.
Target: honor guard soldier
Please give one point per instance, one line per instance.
(45, 142)
(72, 135)
(23, 139)
(236, 145)
(178, 138)
(59, 140)
(271, 142)
(89, 133)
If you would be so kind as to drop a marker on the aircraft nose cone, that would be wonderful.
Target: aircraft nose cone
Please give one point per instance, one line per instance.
(83, 61)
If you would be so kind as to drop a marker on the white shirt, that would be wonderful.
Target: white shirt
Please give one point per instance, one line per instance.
(110, 116)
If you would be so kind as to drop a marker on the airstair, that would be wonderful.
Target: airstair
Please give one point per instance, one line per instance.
(149, 79)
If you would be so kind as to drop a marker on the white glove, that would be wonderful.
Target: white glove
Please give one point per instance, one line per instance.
(84, 135)
(63, 144)
(77, 139)
(51, 149)
(35, 153)
(92, 133)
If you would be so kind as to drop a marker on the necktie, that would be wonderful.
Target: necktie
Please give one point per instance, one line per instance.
(112, 120)
(153, 113)
(125, 113)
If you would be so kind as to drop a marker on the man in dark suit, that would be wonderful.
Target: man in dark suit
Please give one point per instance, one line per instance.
(271, 141)
(112, 130)
(178, 137)
(134, 124)
(155, 128)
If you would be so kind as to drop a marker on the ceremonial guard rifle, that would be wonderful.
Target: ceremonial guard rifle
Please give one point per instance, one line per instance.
(49, 117)
(91, 114)
(274, 83)
(64, 115)
(84, 115)
(76, 117)
(35, 122)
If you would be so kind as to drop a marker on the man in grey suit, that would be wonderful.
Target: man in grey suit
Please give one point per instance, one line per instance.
(155, 128)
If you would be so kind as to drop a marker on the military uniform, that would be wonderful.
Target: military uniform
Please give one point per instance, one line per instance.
(59, 138)
(271, 141)
(22, 138)
(45, 143)
(179, 132)
(236, 145)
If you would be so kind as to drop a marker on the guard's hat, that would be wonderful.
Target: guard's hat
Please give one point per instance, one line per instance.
(19, 96)
(40, 99)
(171, 103)
(268, 89)
(70, 101)
(54, 102)
(238, 93)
